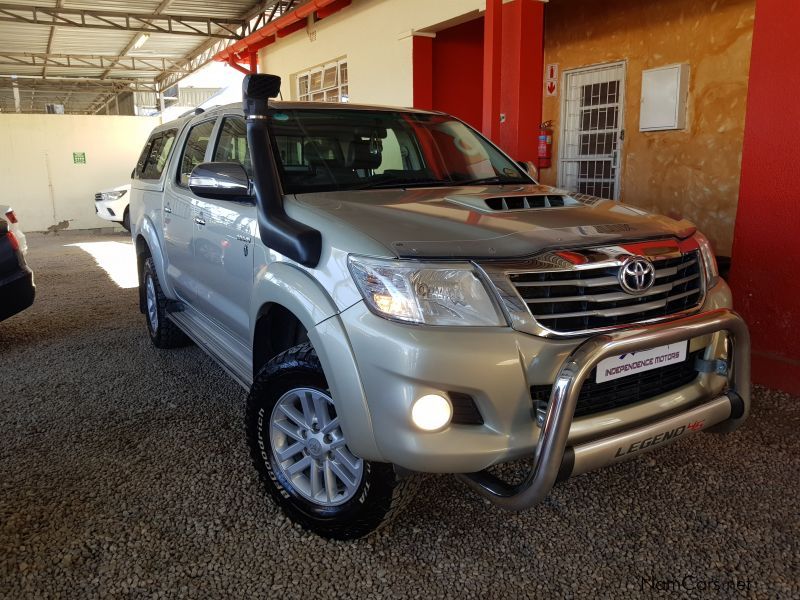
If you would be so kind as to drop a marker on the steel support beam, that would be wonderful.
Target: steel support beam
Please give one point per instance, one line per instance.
(67, 84)
(153, 65)
(209, 27)
(259, 16)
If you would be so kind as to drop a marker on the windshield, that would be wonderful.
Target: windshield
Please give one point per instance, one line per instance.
(334, 149)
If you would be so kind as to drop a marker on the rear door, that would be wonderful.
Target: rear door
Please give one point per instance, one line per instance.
(181, 211)
(224, 241)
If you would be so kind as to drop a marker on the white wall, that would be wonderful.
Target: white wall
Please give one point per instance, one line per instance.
(374, 35)
(39, 178)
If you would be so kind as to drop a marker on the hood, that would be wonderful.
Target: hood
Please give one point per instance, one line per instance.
(488, 221)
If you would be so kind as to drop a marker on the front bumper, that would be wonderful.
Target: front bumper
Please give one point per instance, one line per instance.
(554, 459)
(112, 210)
(496, 366)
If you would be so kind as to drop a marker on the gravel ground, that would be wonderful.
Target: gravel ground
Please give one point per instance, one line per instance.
(124, 472)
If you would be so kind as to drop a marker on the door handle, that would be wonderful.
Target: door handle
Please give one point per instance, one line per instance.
(168, 209)
(199, 221)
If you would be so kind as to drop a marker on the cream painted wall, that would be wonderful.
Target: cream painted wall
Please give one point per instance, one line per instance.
(39, 178)
(375, 36)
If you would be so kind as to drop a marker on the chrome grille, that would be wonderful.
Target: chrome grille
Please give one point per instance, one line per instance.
(585, 299)
(625, 391)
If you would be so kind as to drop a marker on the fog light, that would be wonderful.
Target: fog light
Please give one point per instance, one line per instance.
(431, 412)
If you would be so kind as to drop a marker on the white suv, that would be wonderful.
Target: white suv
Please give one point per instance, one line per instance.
(112, 205)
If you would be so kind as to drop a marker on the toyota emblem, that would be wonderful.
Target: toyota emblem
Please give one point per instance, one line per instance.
(636, 275)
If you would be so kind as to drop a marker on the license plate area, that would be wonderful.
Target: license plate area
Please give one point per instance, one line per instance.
(617, 367)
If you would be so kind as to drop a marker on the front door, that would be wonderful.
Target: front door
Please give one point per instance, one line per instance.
(592, 130)
(180, 212)
(223, 242)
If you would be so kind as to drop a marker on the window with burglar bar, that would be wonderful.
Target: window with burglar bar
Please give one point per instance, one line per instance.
(325, 83)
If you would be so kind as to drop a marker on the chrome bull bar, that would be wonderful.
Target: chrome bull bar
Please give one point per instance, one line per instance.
(554, 461)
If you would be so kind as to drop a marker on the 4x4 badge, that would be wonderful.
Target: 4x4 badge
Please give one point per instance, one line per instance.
(636, 275)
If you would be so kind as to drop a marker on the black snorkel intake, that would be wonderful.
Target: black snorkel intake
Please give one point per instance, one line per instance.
(278, 230)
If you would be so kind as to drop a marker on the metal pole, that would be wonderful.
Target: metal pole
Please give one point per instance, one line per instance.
(15, 87)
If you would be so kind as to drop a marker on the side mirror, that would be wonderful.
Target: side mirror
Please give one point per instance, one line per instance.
(530, 168)
(220, 180)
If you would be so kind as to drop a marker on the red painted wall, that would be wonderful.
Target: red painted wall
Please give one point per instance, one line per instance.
(521, 77)
(422, 57)
(765, 273)
(457, 85)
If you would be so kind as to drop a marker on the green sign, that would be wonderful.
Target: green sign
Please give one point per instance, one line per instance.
(79, 158)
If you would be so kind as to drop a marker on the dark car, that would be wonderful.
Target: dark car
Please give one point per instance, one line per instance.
(17, 290)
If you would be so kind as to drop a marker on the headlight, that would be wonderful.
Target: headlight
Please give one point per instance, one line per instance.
(418, 292)
(709, 260)
(115, 195)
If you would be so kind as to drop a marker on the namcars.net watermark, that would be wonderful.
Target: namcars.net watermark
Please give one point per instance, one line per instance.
(696, 584)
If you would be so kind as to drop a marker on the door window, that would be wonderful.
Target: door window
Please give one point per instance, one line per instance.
(194, 151)
(232, 144)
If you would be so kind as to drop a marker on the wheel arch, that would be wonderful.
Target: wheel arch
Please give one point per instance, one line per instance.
(286, 292)
(148, 245)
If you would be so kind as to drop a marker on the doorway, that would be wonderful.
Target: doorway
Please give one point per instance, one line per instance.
(458, 71)
(592, 130)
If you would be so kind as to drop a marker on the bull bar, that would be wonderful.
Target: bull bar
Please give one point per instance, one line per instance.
(553, 460)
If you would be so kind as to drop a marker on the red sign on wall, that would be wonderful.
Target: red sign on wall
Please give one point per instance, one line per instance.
(551, 80)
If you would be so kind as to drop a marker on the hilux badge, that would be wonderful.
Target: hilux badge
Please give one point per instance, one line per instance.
(636, 275)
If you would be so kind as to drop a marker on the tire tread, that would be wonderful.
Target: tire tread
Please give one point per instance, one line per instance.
(375, 515)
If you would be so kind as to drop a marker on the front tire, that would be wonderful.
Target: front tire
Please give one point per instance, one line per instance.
(300, 452)
(126, 220)
(163, 332)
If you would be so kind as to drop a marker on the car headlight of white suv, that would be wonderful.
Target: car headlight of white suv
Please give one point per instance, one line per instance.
(425, 293)
(114, 195)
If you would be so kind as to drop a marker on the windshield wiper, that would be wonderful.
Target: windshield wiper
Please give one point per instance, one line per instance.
(493, 179)
(396, 182)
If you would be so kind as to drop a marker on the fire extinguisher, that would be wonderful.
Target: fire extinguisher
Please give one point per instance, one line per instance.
(545, 148)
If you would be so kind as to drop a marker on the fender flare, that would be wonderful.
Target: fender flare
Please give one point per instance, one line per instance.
(148, 232)
(292, 288)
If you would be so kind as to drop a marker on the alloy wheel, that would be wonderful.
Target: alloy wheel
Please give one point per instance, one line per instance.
(152, 303)
(310, 450)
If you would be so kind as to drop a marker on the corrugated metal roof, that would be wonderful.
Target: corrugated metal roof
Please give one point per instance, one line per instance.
(20, 40)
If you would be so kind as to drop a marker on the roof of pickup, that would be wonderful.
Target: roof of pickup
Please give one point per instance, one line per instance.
(289, 105)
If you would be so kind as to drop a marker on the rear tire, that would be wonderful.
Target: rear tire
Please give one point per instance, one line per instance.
(317, 481)
(163, 332)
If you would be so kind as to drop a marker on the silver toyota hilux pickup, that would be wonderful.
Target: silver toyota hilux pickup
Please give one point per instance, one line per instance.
(400, 296)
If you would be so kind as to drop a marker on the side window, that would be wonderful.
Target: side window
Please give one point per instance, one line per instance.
(232, 144)
(194, 151)
(158, 155)
(140, 164)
